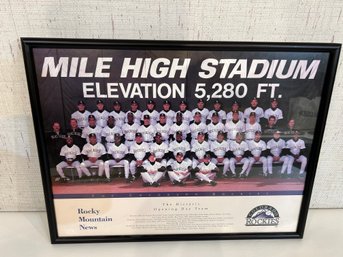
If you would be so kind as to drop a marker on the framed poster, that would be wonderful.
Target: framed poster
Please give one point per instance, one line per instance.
(177, 140)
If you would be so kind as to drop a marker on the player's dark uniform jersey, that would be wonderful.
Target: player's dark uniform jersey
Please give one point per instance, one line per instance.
(55, 142)
(76, 134)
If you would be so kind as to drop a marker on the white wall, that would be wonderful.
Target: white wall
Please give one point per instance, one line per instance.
(255, 20)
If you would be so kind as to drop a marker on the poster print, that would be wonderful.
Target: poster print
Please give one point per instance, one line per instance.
(159, 140)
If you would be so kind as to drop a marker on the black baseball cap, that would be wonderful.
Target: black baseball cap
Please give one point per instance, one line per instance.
(110, 117)
(151, 102)
(200, 101)
(158, 134)
(201, 133)
(221, 132)
(116, 103)
(217, 102)
(91, 116)
(273, 100)
(215, 114)
(91, 135)
(99, 102)
(179, 154)
(258, 132)
(183, 102)
(252, 114)
(130, 114)
(134, 102)
(138, 134)
(235, 102)
(166, 102)
(162, 115)
(179, 114)
(179, 133)
(207, 156)
(146, 116)
(81, 102)
(117, 135)
(196, 113)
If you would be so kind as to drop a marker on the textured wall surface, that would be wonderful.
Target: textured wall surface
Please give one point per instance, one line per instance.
(255, 20)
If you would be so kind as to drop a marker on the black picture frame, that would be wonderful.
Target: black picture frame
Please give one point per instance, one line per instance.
(29, 45)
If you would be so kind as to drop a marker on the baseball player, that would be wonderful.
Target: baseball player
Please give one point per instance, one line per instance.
(204, 112)
(163, 128)
(70, 156)
(277, 152)
(186, 114)
(100, 114)
(197, 126)
(93, 154)
(296, 148)
(179, 169)
(239, 154)
(55, 141)
(107, 133)
(179, 145)
(153, 114)
(129, 130)
(220, 152)
(160, 150)
(206, 171)
(118, 114)
(274, 111)
(117, 153)
(81, 115)
(199, 148)
(180, 126)
(152, 172)
(258, 151)
(76, 133)
(214, 127)
(234, 126)
(139, 152)
(270, 127)
(251, 127)
(92, 128)
(217, 108)
(170, 114)
(254, 108)
(235, 108)
(147, 130)
(137, 114)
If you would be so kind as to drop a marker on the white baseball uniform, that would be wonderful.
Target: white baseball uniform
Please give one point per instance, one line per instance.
(186, 115)
(219, 149)
(96, 151)
(213, 129)
(180, 170)
(118, 152)
(250, 130)
(221, 113)
(238, 150)
(205, 171)
(256, 149)
(159, 151)
(199, 149)
(139, 151)
(108, 134)
(119, 117)
(81, 117)
(195, 128)
(101, 118)
(277, 113)
(204, 114)
(258, 110)
(184, 128)
(137, 115)
(89, 130)
(170, 115)
(152, 173)
(230, 114)
(275, 148)
(148, 133)
(295, 147)
(154, 116)
(129, 132)
(177, 147)
(232, 128)
(69, 154)
(164, 130)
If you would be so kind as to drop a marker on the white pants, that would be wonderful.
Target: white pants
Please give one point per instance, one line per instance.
(226, 163)
(151, 177)
(283, 159)
(85, 164)
(302, 159)
(262, 160)
(62, 165)
(123, 163)
(233, 162)
(205, 177)
(133, 167)
(177, 177)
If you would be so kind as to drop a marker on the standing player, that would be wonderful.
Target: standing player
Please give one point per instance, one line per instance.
(274, 111)
(70, 157)
(180, 126)
(206, 171)
(76, 133)
(240, 153)
(179, 145)
(81, 115)
(199, 149)
(118, 114)
(251, 127)
(204, 112)
(170, 114)
(163, 128)
(258, 151)
(217, 108)
(235, 108)
(296, 148)
(152, 172)
(220, 152)
(153, 114)
(214, 127)
(254, 108)
(93, 154)
(147, 130)
(92, 128)
(186, 114)
(137, 114)
(55, 141)
(160, 150)
(197, 126)
(107, 133)
(118, 156)
(270, 127)
(139, 152)
(234, 126)
(129, 130)
(100, 114)
(277, 152)
(179, 169)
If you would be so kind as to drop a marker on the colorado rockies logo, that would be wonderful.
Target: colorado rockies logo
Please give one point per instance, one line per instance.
(263, 215)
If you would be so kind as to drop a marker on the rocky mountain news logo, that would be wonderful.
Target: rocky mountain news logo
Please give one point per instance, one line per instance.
(263, 215)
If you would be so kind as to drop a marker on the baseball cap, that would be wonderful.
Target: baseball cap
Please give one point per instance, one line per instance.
(158, 134)
(258, 132)
(221, 132)
(91, 135)
(99, 102)
(151, 102)
(252, 114)
(162, 115)
(254, 98)
(134, 102)
(201, 133)
(91, 116)
(146, 116)
(81, 102)
(138, 134)
(273, 100)
(110, 117)
(200, 101)
(166, 102)
(179, 114)
(235, 102)
(130, 114)
(179, 154)
(207, 156)
(116, 103)
(217, 102)
(235, 112)
(196, 113)
(215, 114)
(179, 133)
(183, 102)
(117, 135)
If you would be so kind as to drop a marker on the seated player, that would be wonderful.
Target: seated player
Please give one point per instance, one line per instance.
(220, 152)
(179, 169)
(129, 130)
(274, 111)
(139, 152)
(153, 114)
(206, 171)
(254, 108)
(296, 148)
(179, 145)
(182, 126)
(92, 128)
(214, 127)
(217, 107)
(70, 157)
(169, 114)
(251, 127)
(160, 150)
(277, 152)
(234, 126)
(152, 171)
(100, 114)
(199, 148)
(107, 133)
(118, 114)
(81, 115)
(93, 154)
(163, 128)
(202, 110)
(186, 114)
(258, 150)
(197, 126)
(234, 108)
(239, 153)
(147, 130)
(118, 153)
(137, 114)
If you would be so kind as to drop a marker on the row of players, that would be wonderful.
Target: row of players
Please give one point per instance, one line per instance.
(198, 157)
(101, 115)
